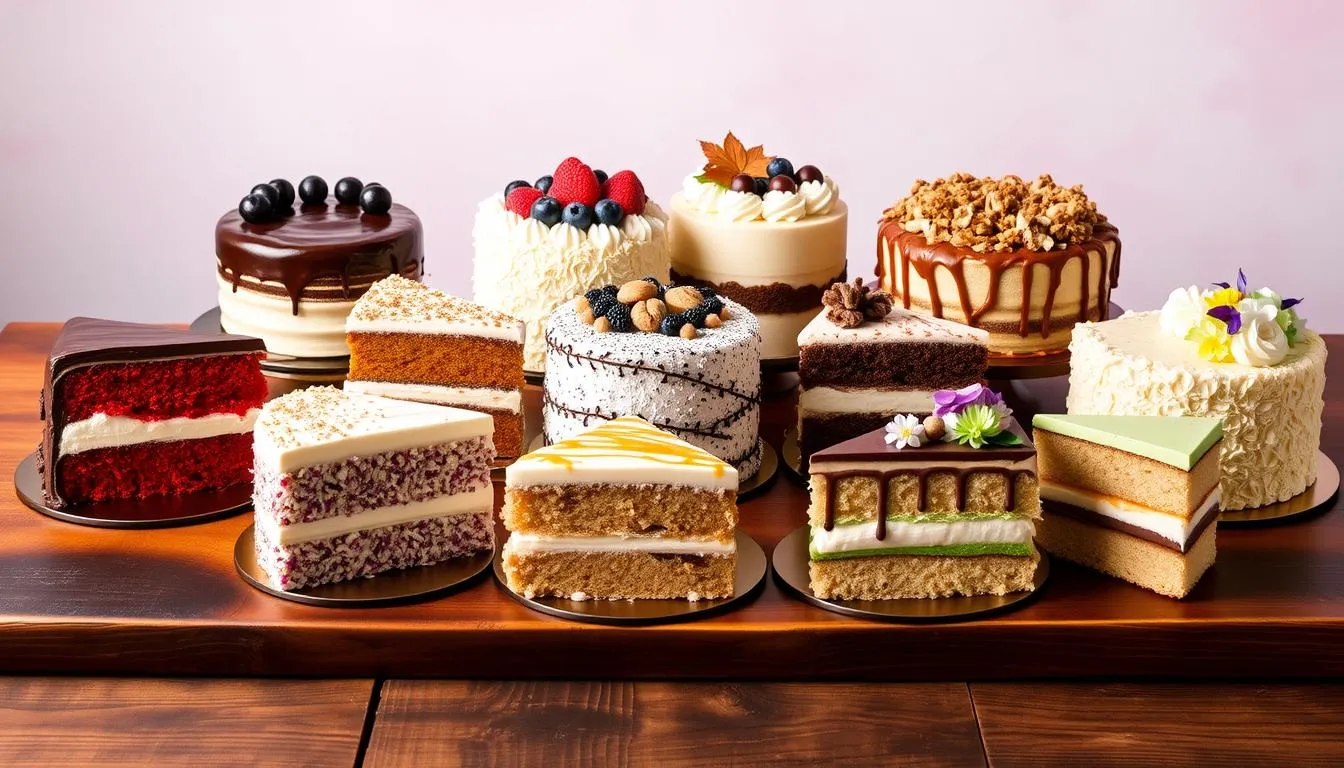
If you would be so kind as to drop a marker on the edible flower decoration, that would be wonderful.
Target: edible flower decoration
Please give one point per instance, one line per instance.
(976, 416)
(905, 430)
(1227, 323)
(848, 305)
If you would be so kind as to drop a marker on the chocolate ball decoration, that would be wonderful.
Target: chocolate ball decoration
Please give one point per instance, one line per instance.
(286, 191)
(348, 189)
(255, 208)
(375, 200)
(743, 182)
(783, 183)
(808, 173)
(271, 194)
(762, 185)
(313, 190)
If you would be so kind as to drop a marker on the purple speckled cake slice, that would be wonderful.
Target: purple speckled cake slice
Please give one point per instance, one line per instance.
(348, 486)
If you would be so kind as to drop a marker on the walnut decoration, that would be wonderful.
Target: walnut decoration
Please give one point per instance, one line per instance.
(651, 307)
(987, 214)
(849, 304)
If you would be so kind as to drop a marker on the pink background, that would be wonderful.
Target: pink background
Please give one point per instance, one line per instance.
(1208, 131)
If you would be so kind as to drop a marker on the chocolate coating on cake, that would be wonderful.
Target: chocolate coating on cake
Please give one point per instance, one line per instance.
(333, 242)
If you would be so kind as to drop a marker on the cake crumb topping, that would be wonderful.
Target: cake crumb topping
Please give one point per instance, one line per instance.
(396, 298)
(988, 214)
(311, 415)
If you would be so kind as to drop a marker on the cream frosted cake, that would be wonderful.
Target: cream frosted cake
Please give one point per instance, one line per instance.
(1245, 358)
(411, 342)
(622, 510)
(861, 362)
(762, 233)
(540, 244)
(349, 485)
(681, 358)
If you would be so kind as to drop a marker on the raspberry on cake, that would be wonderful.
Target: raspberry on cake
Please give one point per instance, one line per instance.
(763, 234)
(921, 510)
(411, 342)
(861, 362)
(540, 244)
(132, 411)
(350, 485)
(1135, 497)
(681, 358)
(1024, 261)
(291, 275)
(623, 510)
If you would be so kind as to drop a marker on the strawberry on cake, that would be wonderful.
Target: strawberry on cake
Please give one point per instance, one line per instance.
(133, 411)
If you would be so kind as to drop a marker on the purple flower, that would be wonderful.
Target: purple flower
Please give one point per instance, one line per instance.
(1290, 303)
(1228, 315)
(1241, 281)
(954, 401)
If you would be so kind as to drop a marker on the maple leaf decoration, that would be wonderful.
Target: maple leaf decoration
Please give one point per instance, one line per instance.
(722, 163)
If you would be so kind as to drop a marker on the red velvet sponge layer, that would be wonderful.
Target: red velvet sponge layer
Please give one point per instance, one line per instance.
(164, 389)
(176, 468)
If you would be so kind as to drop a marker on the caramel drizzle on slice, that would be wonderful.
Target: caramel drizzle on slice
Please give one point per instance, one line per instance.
(627, 438)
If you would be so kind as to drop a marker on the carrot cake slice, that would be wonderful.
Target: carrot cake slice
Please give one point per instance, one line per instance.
(624, 510)
(411, 342)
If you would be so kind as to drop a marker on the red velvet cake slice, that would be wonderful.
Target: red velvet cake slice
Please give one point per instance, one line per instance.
(133, 411)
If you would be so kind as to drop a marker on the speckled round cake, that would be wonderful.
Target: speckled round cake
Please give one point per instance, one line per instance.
(705, 390)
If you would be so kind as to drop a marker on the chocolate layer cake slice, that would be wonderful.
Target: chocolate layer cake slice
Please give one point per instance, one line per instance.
(132, 411)
(933, 521)
(624, 510)
(351, 485)
(1135, 497)
(411, 342)
(854, 379)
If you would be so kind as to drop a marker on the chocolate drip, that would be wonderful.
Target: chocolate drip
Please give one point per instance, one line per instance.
(898, 249)
(922, 475)
(332, 242)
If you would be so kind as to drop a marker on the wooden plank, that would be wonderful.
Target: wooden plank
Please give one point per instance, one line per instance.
(1100, 725)
(47, 721)
(76, 599)
(459, 723)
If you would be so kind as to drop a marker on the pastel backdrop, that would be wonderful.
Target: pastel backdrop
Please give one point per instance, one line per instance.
(1207, 130)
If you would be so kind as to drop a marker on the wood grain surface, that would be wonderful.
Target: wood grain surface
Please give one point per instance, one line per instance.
(78, 599)
(1067, 724)
(46, 721)
(459, 723)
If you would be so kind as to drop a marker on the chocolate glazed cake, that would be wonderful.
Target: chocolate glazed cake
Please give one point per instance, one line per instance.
(292, 278)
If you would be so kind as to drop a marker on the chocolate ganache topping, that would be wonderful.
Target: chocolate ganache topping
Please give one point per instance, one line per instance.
(331, 243)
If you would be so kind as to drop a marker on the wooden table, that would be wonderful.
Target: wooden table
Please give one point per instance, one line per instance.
(81, 600)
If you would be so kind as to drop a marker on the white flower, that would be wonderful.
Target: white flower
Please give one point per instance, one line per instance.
(1260, 342)
(905, 430)
(1183, 311)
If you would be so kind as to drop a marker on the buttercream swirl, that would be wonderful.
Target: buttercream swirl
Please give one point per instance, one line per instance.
(1261, 342)
(820, 196)
(702, 195)
(783, 206)
(739, 206)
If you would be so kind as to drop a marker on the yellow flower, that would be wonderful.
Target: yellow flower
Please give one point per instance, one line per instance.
(1212, 340)
(1223, 297)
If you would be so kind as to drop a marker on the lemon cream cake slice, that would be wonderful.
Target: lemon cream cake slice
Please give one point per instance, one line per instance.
(350, 485)
(1135, 497)
(934, 509)
(411, 342)
(624, 510)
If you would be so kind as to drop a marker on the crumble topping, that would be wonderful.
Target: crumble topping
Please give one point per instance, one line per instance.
(987, 214)
(400, 299)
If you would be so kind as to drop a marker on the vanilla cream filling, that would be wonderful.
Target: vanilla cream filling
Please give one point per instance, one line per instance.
(1171, 527)
(831, 400)
(471, 502)
(103, 431)
(526, 544)
(858, 537)
(510, 400)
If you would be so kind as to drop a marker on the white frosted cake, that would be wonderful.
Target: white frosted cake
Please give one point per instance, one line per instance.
(531, 256)
(704, 389)
(1267, 391)
(774, 247)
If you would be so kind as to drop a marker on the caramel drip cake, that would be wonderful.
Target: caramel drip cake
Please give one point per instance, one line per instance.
(350, 485)
(1023, 261)
(861, 362)
(132, 411)
(411, 342)
(1135, 497)
(623, 510)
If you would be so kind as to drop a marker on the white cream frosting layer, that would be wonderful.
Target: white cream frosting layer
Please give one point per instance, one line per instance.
(900, 325)
(525, 269)
(463, 397)
(1173, 528)
(779, 333)
(813, 198)
(1271, 416)
(526, 544)
(471, 502)
(317, 331)
(320, 425)
(832, 400)
(856, 537)
(103, 431)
